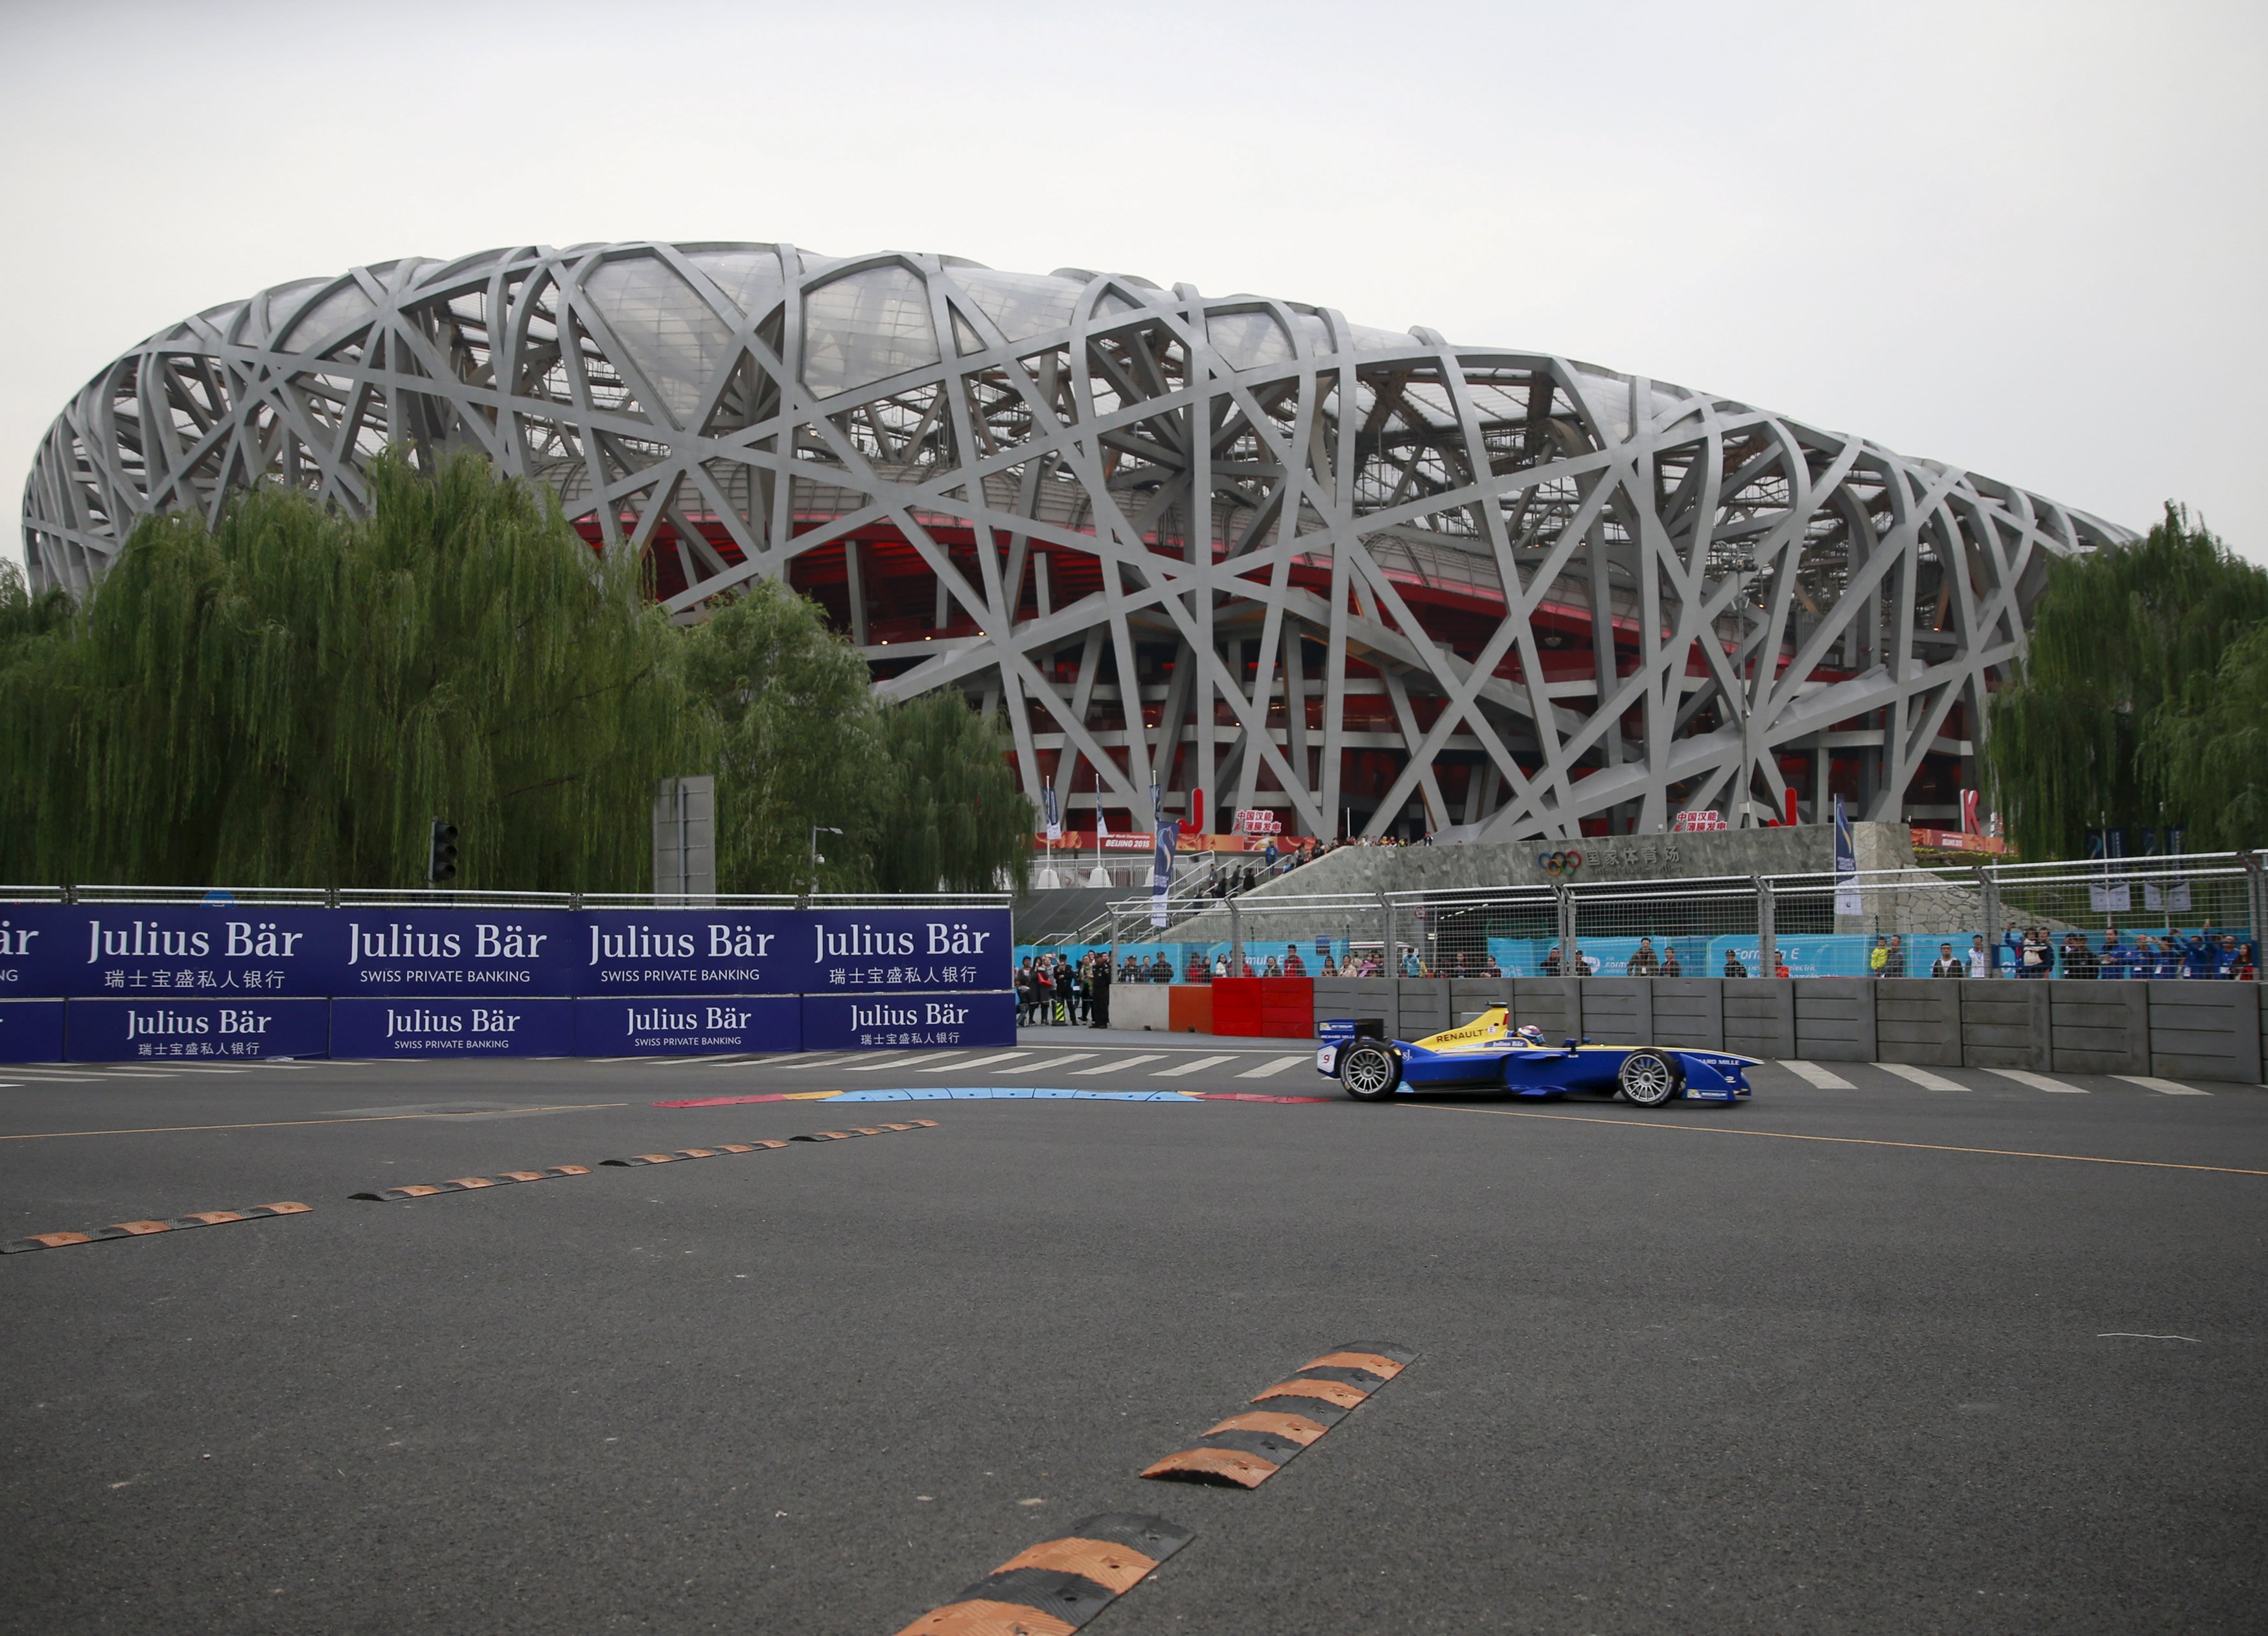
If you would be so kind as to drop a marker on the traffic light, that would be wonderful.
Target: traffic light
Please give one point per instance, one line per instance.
(441, 867)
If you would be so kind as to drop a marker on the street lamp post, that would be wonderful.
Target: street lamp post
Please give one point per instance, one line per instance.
(817, 830)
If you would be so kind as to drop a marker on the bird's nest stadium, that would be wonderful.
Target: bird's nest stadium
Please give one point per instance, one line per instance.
(1369, 578)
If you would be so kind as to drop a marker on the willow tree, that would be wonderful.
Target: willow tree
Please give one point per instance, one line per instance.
(2122, 639)
(797, 744)
(954, 817)
(37, 762)
(2208, 750)
(290, 696)
(921, 791)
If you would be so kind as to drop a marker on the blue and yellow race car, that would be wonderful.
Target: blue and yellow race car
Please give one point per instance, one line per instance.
(1489, 1053)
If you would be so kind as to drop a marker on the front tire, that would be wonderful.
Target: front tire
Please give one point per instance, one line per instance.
(1648, 1078)
(1370, 1072)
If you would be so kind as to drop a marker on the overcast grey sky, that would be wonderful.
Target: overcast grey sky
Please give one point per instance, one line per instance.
(2024, 238)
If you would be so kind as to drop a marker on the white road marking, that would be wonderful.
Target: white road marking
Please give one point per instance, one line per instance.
(899, 1059)
(2164, 1087)
(1052, 1062)
(974, 1062)
(37, 1077)
(1178, 1069)
(2038, 1081)
(1817, 1075)
(1922, 1076)
(1268, 1068)
(2130, 1335)
(1124, 1061)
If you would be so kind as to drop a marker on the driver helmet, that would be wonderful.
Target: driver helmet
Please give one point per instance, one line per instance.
(1530, 1035)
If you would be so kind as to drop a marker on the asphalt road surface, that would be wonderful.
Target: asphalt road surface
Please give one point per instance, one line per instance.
(1875, 1353)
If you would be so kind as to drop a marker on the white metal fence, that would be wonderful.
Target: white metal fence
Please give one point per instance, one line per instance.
(2193, 916)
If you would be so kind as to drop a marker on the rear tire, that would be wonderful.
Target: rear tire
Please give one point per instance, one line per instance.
(1649, 1078)
(1369, 1073)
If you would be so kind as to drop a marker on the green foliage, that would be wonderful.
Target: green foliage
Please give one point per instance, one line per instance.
(921, 791)
(288, 698)
(797, 745)
(952, 813)
(2209, 750)
(2128, 649)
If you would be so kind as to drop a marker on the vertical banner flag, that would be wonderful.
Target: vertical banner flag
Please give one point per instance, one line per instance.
(1055, 815)
(1847, 898)
(1101, 825)
(2107, 891)
(2170, 892)
(2173, 895)
(1161, 870)
(1157, 809)
(1969, 822)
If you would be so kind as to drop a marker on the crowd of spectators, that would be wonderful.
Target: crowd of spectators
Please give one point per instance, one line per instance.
(1055, 989)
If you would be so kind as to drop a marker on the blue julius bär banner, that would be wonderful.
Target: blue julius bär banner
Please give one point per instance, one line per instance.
(853, 1022)
(30, 1030)
(151, 950)
(676, 1025)
(681, 951)
(427, 1028)
(906, 951)
(142, 1030)
(394, 951)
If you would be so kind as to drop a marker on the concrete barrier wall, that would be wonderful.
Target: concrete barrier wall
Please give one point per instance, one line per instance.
(1760, 1016)
(2206, 1031)
(1689, 1010)
(1141, 1006)
(2098, 1028)
(2180, 1029)
(1552, 1003)
(1918, 1020)
(2004, 1025)
(1425, 1007)
(1835, 1019)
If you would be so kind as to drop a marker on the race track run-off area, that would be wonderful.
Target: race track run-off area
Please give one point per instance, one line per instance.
(864, 1343)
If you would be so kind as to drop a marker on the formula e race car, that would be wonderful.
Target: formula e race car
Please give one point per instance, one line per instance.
(1489, 1053)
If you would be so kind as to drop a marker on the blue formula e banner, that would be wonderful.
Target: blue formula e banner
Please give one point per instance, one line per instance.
(680, 951)
(444, 1027)
(447, 951)
(226, 950)
(30, 1030)
(673, 1025)
(151, 951)
(853, 1022)
(908, 951)
(138, 1030)
(219, 953)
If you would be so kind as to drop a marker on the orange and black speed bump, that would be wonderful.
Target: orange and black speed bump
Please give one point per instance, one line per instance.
(143, 1229)
(1058, 1586)
(694, 1152)
(767, 1144)
(469, 1183)
(1246, 1449)
(865, 1130)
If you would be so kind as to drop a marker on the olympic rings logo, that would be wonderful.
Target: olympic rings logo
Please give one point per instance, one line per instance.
(1559, 863)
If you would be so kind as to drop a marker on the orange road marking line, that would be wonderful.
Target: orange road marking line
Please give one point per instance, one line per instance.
(273, 1124)
(1853, 1141)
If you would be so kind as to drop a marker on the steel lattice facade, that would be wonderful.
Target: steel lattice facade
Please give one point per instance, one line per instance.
(1371, 579)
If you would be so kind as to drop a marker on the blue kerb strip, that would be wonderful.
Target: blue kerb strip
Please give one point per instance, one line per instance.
(1008, 1093)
